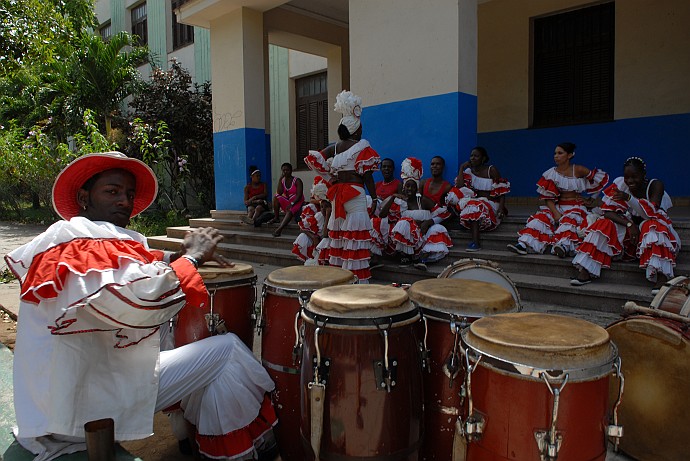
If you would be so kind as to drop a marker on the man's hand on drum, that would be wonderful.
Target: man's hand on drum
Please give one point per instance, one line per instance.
(201, 244)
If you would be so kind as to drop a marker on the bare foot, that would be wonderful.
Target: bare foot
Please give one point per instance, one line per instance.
(277, 232)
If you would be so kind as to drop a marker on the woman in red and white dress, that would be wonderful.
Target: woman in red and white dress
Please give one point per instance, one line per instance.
(417, 237)
(486, 209)
(562, 218)
(351, 162)
(634, 225)
(311, 222)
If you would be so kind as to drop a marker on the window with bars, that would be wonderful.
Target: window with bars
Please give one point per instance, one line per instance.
(573, 67)
(139, 25)
(182, 34)
(106, 31)
(311, 101)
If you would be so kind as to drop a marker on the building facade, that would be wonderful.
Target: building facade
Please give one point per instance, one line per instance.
(438, 78)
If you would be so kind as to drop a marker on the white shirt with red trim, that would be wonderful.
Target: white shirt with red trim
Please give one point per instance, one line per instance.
(87, 339)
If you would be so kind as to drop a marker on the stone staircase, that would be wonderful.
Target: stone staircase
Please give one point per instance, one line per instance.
(540, 279)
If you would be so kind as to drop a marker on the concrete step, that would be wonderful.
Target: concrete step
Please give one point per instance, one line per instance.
(245, 236)
(493, 248)
(540, 279)
(599, 296)
(275, 256)
(624, 273)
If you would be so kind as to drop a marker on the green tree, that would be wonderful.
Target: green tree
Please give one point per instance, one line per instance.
(56, 67)
(100, 75)
(185, 108)
(29, 164)
(33, 31)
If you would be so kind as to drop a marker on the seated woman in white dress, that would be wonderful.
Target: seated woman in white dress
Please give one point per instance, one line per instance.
(558, 223)
(634, 226)
(311, 222)
(485, 209)
(417, 237)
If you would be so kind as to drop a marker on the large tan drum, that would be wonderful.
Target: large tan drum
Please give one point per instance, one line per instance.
(361, 375)
(654, 345)
(538, 388)
(448, 305)
(230, 307)
(482, 270)
(283, 291)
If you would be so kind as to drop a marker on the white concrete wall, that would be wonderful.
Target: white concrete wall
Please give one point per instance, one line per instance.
(304, 63)
(237, 57)
(418, 50)
(102, 10)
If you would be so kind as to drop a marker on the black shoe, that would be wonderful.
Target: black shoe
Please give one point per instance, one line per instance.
(185, 447)
(269, 454)
(518, 248)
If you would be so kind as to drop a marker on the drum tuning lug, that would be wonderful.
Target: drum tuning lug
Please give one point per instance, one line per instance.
(451, 368)
(424, 356)
(474, 427)
(322, 370)
(615, 431)
(296, 353)
(548, 451)
(221, 329)
(385, 378)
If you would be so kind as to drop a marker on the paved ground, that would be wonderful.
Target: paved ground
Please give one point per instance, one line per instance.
(12, 236)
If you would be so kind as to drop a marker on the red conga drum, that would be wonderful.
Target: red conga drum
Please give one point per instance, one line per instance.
(361, 376)
(538, 388)
(281, 295)
(654, 346)
(230, 307)
(448, 305)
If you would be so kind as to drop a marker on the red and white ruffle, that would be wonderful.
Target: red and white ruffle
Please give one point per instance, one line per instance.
(406, 237)
(658, 243)
(539, 230)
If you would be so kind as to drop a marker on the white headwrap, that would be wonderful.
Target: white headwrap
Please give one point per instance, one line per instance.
(411, 169)
(350, 105)
(319, 189)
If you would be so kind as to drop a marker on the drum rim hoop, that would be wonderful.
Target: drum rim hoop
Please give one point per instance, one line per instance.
(294, 292)
(574, 374)
(440, 314)
(364, 323)
(231, 283)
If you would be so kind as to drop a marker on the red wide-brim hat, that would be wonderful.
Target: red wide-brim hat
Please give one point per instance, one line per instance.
(74, 175)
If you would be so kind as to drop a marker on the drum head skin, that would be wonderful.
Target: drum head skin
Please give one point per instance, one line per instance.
(545, 341)
(359, 301)
(215, 273)
(309, 277)
(655, 360)
(470, 298)
(482, 270)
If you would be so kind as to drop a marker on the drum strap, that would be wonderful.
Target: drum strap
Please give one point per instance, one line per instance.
(317, 392)
(459, 442)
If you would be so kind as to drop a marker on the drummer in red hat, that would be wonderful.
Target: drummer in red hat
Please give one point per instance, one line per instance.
(93, 297)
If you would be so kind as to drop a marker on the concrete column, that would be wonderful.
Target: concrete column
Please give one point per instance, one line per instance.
(414, 63)
(239, 127)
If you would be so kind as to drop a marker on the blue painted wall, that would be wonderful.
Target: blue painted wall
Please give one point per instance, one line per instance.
(234, 151)
(662, 141)
(442, 125)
